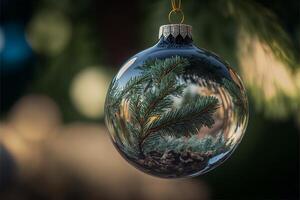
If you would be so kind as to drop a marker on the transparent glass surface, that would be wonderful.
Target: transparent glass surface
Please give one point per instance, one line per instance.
(175, 110)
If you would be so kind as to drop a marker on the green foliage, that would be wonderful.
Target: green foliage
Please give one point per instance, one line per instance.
(207, 17)
(261, 22)
(150, 98)
(116, 94)
(187, 119)
(207, 144)
(159, 70)
(238, 98)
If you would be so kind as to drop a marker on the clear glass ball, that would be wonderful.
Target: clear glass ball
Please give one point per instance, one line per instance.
(175, 110)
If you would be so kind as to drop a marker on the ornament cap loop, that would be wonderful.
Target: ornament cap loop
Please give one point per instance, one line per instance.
(179, 12)
(176, 9)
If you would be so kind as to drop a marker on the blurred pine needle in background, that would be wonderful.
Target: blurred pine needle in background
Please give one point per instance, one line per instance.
(251, 37)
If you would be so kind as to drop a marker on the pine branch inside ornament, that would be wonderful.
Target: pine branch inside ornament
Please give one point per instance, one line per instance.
(175, 110)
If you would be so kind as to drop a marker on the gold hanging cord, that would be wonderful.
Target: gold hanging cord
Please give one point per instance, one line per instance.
(176, 9)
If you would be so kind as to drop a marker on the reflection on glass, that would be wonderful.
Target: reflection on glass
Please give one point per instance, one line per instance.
(178, 115)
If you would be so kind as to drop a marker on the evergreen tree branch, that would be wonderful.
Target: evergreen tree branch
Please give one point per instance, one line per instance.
(164, 76)
(263, 23)
(215, 145)
(158, 69)
(150, 99)
(186, 120)
(132, 86)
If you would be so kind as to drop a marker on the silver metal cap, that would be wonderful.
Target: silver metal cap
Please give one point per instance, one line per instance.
(175, 29)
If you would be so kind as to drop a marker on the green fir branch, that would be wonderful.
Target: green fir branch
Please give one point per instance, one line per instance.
(188, 119)
(260, 21)
(161, 68)
(151, 97)
(214, 144)
(117, 94)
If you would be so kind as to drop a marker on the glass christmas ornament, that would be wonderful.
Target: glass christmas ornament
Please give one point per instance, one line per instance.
(175, 110)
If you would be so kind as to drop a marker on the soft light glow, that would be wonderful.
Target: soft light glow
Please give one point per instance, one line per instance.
(32, 122)
(35, 117)
(14, 48)
(272, 83)
(49, 32)
(88, 91)
(90, 158)
(297, 79)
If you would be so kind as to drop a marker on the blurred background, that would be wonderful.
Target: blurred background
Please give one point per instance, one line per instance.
(56, 62)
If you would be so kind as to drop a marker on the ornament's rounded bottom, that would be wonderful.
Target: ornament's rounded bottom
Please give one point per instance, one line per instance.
(171, 164)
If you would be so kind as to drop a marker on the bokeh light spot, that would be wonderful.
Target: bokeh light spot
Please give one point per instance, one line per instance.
(49, 32)
(88, 91)
(14, 48)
